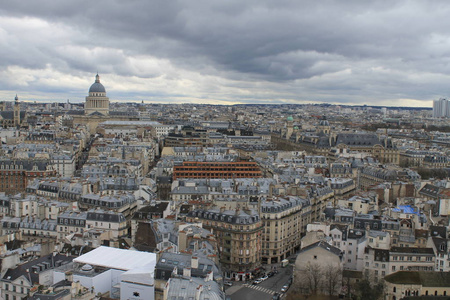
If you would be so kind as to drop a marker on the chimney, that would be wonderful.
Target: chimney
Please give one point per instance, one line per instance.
(209, 277)
(69, 276)
(194, 262)
(187, 272)
(198, 292)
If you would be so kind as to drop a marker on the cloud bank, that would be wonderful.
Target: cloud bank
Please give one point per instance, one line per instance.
(227, 52)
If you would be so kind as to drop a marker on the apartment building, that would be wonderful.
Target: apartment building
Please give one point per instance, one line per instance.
(284, 221)
(381, 262)
(17, 282)
(107, 220)
(71, 222)
(15, 174)
(352, 243)
(239, 234)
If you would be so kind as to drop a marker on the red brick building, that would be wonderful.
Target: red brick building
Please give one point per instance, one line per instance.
(217, 169)
(15, 174)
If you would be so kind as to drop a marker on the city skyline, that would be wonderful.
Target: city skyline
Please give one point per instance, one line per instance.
(228, 53)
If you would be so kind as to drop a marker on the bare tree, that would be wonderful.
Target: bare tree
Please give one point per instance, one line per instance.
(332, 278)
(312, 277)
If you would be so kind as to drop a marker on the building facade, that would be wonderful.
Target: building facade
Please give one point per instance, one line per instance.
(225, 170)
(238, 233)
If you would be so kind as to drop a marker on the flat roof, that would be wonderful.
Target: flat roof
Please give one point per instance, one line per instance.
(116, 258)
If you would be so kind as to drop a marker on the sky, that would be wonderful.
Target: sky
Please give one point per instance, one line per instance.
(392, 53)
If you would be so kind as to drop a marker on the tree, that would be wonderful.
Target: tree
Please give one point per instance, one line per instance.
(332, 278)
(367, 291)
(312, 277)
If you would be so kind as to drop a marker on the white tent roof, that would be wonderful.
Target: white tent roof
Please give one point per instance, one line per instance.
(141, 275)
(115, 258)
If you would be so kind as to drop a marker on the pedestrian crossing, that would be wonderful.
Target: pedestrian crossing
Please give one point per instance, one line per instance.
(259, 288)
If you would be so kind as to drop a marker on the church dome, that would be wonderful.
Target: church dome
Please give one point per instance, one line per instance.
(97, 87)
(324, 122)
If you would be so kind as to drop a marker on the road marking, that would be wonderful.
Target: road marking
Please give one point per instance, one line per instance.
(259, 288)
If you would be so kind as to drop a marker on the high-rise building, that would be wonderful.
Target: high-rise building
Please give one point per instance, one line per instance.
(441, 108)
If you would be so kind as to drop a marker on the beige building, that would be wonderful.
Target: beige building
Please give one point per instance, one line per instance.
(97, 102)
(284, 221)
(111, 221)
(314, 264)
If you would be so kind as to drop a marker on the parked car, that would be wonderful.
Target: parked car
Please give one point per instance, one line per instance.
(228, 283)
(285, 288)
(276, 296)
(265, 277)
(257, 281)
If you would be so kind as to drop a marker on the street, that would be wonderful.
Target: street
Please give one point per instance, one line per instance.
(262, 291)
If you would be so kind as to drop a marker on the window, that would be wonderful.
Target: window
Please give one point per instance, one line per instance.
(315, 256)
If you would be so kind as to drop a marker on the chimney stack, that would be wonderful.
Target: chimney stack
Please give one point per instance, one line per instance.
(187, 272)
(194, 262)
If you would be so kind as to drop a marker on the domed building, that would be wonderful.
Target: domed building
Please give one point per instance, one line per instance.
(97, 102)
(96, 109)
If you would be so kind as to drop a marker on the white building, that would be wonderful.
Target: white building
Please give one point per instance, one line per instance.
(127, 273)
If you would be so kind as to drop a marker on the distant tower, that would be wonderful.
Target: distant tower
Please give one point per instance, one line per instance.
(289, 127)
(16, 111)
(441, 108)
(97, 100)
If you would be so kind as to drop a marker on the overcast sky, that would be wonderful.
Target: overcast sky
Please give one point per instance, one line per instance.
(227, 52)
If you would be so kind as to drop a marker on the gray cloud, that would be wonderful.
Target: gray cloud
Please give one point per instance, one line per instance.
(339, 51)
